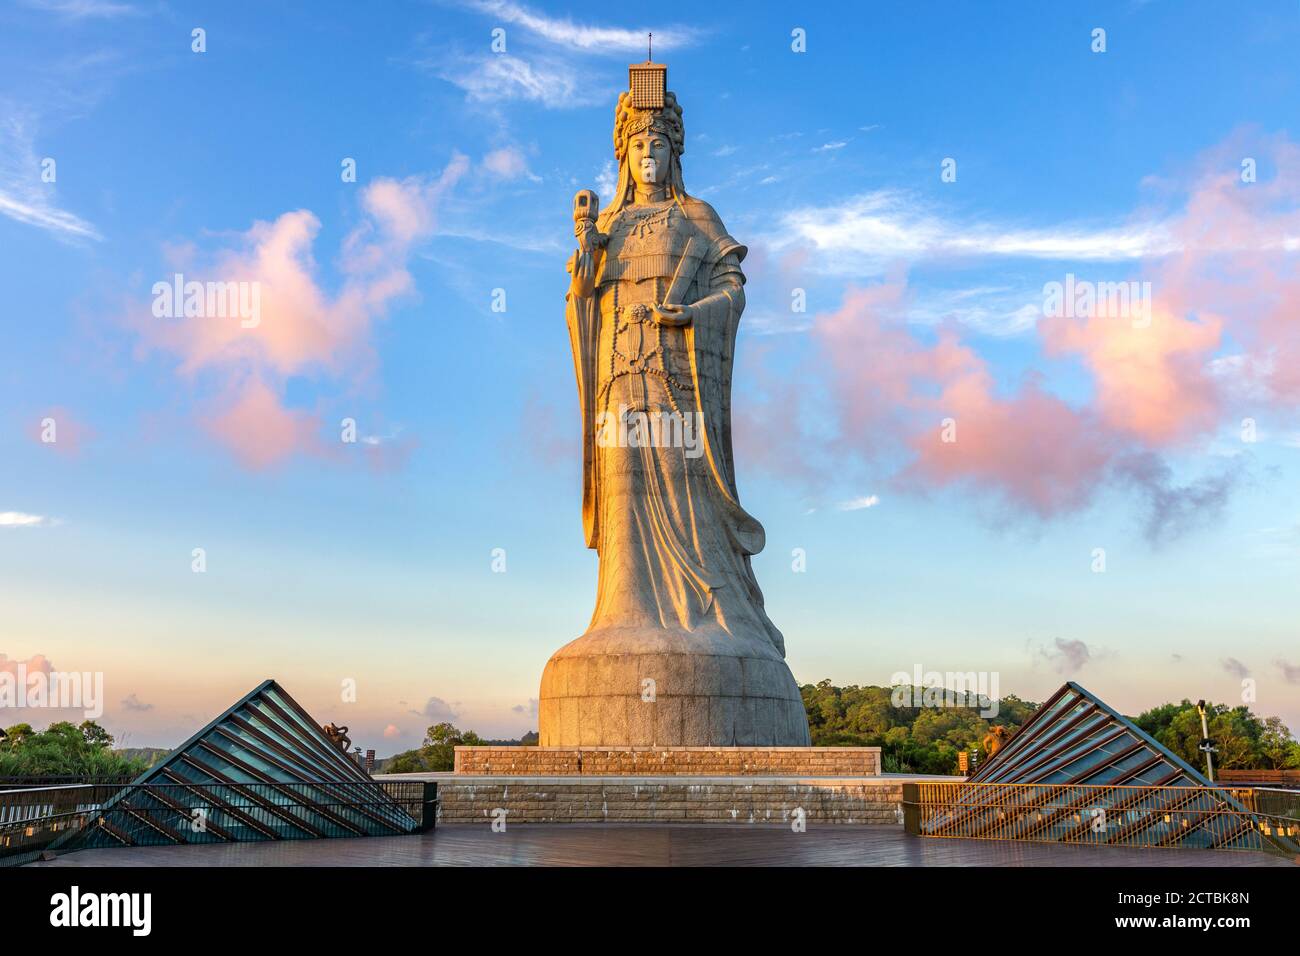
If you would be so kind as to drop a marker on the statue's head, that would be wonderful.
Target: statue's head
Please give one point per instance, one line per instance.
(648, 144)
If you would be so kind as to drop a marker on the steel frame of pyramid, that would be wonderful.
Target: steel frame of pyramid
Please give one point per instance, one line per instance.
(262, 770)
(1075, 758)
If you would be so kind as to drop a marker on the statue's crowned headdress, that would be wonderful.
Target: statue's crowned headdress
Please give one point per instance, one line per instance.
(648, 105)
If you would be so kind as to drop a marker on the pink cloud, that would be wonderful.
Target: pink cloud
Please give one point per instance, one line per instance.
(37, 663)
(303, 329)
(1158, 384)
(1240, 259)
(392, 732)
(260, 431)
(1151, 377)
(59, 430)
(894, 394)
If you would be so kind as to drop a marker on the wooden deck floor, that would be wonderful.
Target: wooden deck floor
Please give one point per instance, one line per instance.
(649, 845)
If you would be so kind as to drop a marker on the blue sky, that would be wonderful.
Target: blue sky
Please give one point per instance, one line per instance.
(371, 561)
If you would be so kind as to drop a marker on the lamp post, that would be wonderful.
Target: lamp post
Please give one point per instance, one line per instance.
(1206, 744)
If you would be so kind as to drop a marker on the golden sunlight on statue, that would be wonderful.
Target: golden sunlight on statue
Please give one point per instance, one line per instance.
(679, 651)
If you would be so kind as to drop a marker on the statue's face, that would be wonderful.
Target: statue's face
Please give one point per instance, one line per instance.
(649, 153)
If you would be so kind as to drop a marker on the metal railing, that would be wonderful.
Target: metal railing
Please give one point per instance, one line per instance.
(36, 819)
(1100, 815)
(51, 780)
(1273, 801)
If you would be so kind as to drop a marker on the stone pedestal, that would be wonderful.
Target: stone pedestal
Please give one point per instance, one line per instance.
(491, 760)
(642, 688)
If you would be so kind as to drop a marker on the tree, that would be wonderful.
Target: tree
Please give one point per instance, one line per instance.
(1277, 747)
(919, 739)
(95, 735)
(63, 750)
(926, 739)
(15, 735)
(1240, 738)
(438, 753)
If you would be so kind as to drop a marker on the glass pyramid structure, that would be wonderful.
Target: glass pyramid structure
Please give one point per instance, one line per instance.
(262, 770)
(1078, 771)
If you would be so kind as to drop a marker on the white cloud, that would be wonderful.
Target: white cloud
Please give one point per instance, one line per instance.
(392, 435)
(607, 181)
(776, 323)
(857, 504)
(508, 163)
(995, 311)
(1244, 378)
(19, 519)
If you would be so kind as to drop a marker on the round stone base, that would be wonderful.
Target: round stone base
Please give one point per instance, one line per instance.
(653, 687)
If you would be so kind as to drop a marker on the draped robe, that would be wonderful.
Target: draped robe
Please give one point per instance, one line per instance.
(664, 515)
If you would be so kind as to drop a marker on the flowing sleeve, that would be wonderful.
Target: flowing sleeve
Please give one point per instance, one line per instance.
(581, 317)
(712, 337)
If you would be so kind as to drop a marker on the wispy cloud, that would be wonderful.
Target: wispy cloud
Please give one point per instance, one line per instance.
(868, 231)
(547, 61)
(585, 36)
(84, 9)
(23, 196)
(495, 78)
(1235, 667)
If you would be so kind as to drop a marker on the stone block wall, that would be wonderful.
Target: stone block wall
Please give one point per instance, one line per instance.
(668, 800)
(670, 761)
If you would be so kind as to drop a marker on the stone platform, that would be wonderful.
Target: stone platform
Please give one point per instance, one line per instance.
(669, 761)
(463, 798)
(719, 785)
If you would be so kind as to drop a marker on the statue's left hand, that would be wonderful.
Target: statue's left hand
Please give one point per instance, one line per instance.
(673, 315)
(584, 273)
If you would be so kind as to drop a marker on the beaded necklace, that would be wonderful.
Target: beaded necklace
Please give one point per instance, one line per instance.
(639, 363)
